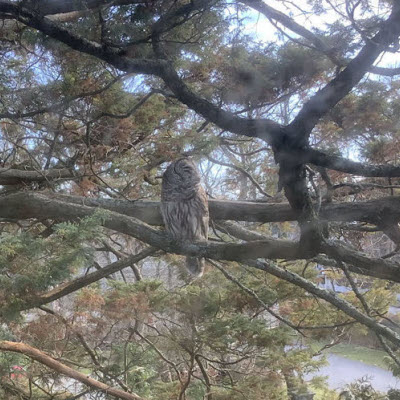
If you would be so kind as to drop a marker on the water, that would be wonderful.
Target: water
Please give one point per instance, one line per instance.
(342, 371)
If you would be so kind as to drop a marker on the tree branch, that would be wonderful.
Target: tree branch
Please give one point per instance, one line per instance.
(358, 262)
(63, 369)
(9, 176)
(326, 98)
(51, 7)
(330, 297)
(37, 205)
(318, 43)
(337, 163)
(62, 104)
(291, 24)
(385, 71)
(76, 42)
(262, 128)
(371, 211)
(375, 211)
(78, 283)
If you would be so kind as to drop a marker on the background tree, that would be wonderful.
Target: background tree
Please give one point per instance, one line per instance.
(292, 115)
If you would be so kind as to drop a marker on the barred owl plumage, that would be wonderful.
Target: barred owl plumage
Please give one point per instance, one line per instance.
(184, 207)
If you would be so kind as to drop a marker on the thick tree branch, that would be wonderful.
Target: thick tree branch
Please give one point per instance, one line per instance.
(37, 205)
(265, 129)
(35, 20)
(63, 369)
(372, 211)
(293, 178)
(262, 128)
(357, 261)
(9, 176)
(326, 98)
(337, 163)
(385, 71)
(51, 7)
(361, 263)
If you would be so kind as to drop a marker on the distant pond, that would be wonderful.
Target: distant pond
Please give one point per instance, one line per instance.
(342, 371)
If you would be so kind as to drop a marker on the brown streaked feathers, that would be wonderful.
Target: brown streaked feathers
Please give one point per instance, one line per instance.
(184, 207)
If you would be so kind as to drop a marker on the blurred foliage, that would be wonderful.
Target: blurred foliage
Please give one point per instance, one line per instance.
(30, 263)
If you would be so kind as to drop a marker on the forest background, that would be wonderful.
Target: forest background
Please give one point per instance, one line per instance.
(291, 111)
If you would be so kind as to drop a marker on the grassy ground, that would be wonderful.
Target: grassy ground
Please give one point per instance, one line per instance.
(357, 353)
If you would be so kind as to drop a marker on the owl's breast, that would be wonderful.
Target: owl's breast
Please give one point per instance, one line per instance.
(179, 192)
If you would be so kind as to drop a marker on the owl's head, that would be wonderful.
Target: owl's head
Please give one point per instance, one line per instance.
(182, 171)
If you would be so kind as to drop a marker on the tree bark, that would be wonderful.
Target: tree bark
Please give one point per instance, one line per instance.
(63, 369)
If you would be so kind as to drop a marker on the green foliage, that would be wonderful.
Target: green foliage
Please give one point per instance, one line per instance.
(393, 366)
(393, 394)
(7, 359)
(251, 75)
(323, 393)
(29, 263)
(141, 367)
(362, 390)
(254, 387)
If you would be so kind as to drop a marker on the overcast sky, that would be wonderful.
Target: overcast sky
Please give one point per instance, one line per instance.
(259, 26)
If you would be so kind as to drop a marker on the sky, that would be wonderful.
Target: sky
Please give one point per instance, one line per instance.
(258, 25)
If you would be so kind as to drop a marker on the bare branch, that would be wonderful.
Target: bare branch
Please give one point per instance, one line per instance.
(242, 171)
(78, 283)
(330, 297)
(385, 71)
(288, 22)
(358, 262)
(372, 211)
(253, 294)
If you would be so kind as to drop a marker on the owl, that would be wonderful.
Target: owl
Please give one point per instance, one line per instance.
(184, 207)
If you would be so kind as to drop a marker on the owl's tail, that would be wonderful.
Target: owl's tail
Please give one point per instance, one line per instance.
(195, 266)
